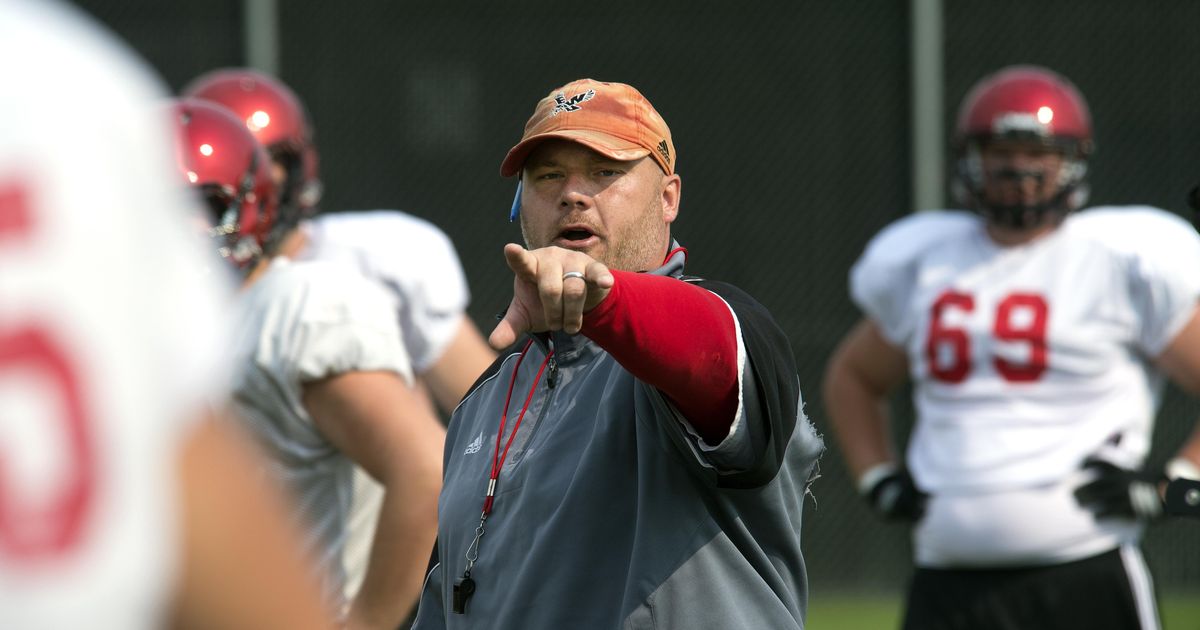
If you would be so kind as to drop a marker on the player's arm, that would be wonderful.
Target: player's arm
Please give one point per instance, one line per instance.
(463, 360)
(1116, 491)
(241, 562)
(859, 379)
(1180, 361)
(376, 420)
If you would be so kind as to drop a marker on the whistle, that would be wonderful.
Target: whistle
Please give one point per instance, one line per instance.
(464, 588)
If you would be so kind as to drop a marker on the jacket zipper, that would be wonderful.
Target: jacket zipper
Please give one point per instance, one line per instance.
(551, 382)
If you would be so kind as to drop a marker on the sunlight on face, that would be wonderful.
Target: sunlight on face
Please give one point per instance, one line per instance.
(614, 211)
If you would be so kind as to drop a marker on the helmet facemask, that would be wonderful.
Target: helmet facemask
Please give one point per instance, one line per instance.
(225, 214)
(299, 193)
(300, 189)
(1057, 190)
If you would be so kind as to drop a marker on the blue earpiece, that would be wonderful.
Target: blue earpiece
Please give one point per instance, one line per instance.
(516, 207)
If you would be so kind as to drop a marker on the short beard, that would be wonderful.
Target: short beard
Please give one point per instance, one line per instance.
(639, 246)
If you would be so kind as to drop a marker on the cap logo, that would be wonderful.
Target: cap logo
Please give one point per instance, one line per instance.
(1016, 122)
(663, 151)
(565, 104)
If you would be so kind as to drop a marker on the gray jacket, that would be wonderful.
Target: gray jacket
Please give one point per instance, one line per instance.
(610, 512)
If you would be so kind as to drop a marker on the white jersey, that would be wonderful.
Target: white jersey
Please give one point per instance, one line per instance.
(412, 258)
(1027, 360)
(302, 322)
(416, 262)
(107, 332)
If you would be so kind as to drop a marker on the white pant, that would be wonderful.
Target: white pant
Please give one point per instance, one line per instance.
(1015, 527)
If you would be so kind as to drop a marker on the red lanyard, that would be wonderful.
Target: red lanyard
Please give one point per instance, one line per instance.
(465, 586)
(498, 457)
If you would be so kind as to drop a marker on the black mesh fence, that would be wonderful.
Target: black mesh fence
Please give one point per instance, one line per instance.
(791, 120)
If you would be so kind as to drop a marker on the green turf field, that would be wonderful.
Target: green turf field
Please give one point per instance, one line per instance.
(866, 612)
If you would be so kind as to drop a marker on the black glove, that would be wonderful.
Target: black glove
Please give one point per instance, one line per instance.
(896, 498)
(1183, 497)
(1121, 492)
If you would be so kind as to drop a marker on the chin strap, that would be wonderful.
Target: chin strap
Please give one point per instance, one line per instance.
(1022, 216)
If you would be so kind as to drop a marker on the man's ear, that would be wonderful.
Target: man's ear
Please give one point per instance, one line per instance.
(671, 189)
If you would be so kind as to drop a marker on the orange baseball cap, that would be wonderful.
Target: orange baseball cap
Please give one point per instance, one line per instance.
(613, 119)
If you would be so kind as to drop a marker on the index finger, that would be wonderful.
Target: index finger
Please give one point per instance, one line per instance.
(521, 261)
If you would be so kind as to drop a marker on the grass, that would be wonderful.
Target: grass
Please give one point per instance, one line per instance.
(881, 612)
(853, 612)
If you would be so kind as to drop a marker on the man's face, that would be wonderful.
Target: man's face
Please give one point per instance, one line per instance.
(616, 212)
(1020, 174)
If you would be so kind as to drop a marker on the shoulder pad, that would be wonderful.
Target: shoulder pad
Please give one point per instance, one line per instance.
(916, 233)
(1135, 230)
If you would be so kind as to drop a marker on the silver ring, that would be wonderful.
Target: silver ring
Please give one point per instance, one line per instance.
(573, 274)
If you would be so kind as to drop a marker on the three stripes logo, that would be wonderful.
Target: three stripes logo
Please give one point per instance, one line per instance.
(662, 150)
(475, 445)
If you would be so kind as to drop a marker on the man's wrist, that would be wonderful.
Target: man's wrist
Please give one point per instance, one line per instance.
(872, 476)
(1182, 468)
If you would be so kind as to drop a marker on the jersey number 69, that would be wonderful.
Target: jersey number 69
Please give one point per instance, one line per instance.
(948, 348)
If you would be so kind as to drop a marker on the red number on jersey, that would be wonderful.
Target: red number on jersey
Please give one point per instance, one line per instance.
(14, 211)
(42, 527)
(948, 350)
(47, 526)
(1019, 317)
(1031, 329)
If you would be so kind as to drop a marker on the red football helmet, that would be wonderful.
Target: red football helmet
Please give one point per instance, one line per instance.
(273, 112)
(1029, 105)
(221, 159)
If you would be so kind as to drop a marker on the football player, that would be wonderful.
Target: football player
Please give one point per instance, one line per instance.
(1037, 340)
(125, 502)
(322, 378)
(409, 256)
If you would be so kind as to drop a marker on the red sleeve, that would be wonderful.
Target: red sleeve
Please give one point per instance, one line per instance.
(675, 336)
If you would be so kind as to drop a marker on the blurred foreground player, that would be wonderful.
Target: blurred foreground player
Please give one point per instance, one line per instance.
(321, 377)
(1037, 341)
(124, 504)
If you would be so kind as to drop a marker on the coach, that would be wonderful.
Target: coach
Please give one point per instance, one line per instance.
(638, 458)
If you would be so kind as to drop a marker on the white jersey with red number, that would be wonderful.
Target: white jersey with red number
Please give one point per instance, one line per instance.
(1027, 360)
(302, 322)
(413, 259)
(108, 330)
